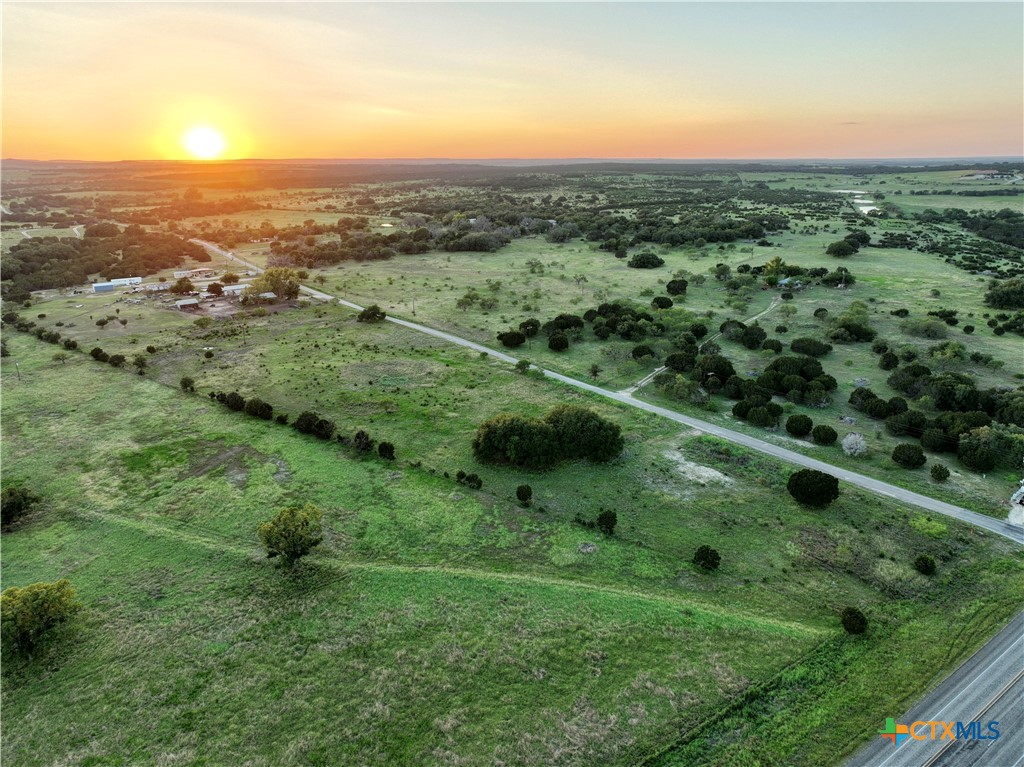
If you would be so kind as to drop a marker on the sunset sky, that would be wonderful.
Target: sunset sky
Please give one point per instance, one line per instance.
(111, 81)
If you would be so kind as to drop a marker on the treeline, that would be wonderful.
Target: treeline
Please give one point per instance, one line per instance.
(567, 432)
(42, 263)
(1005, 226)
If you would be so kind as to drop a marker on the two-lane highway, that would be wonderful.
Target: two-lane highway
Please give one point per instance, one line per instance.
(989, 686)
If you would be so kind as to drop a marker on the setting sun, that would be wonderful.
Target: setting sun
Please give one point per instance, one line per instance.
(204, 143)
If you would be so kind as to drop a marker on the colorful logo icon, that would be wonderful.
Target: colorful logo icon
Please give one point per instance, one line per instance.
(897, 733)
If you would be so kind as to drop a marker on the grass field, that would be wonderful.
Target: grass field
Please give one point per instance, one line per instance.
(451, 620)
(438, 625)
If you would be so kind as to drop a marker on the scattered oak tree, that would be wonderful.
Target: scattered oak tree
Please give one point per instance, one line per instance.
(292, 534)
(813, 488)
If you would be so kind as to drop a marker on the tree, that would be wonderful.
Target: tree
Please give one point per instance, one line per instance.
(309, 422)
(140, 362)
(279, 280)
(939, 472)
(512, 338)
(28, 614)
(215, 289)
(117, 360)
(661, 302)
(854, 445)
(386, 450)
(558, 342)
(229, 278)
(182, 286)
(854, 620)
(187, 384)
(645, 260)
(841, 249)
(823, 434)
(676, 287)
(812, 347)
(15, 502)
(371, 313)
(61, 357)
(799, 425)
(524, 493)
(595, 370)
(102, 323)
(924, 564)
(813, 488)
(362, 442)
(908, 456)
(292, 534)
(888, 361)
(707, 558)
(606, 521)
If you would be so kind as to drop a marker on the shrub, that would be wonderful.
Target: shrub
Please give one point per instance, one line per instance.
(606, 521)
(292, 534)
(257, 408)
(908, 456)
(812, 347)
(208, 354)
(309, 422)
(824, 435)
(362, 442)
(854, 445)
(558, 342)
(28, 614)
(512, 338)
(813, 488)
(641, 351)
(799, 425)
(888, 361)
(662, 302)
(707, 558)
(645, 260)
(15, 502)
(939, 472)
(386, 450)
(371, 313)
(98, 354)
(676, 287)
(187, 384)
(235, 401)
(924, 564)
(841, 249)
(524, 493)
(854, 621)
(281, 418)
(117, 360)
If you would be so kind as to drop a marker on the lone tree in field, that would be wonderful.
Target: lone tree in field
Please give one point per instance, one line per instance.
(854, 621)
(187, 384)
(707, 558)
(292, 534)
(372, 313)
(925, 564)
(606, 522)
(813, 488)
(524, 493)
(386, 450)
(28, 614)
(15, 502)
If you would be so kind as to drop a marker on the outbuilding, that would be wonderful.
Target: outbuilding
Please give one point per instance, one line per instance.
(103, 287)
(187, 304)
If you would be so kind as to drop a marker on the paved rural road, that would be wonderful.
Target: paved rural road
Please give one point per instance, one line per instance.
(1000, 527)
(988, 686)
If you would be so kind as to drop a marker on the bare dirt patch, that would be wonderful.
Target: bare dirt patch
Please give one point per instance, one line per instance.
(233, 459)
(695, 472)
